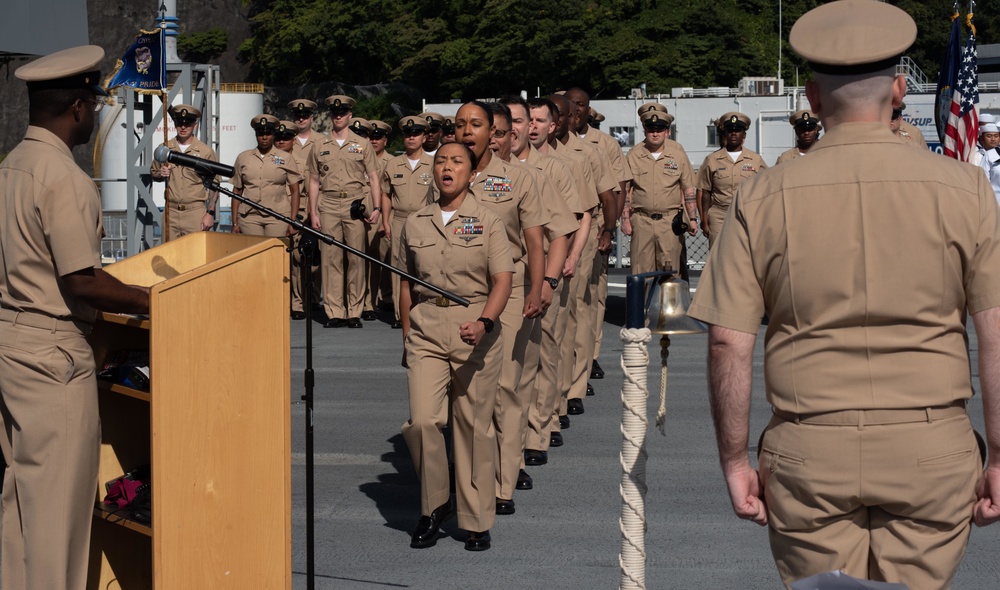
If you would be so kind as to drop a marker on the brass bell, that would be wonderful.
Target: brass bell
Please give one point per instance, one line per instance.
(667, 306)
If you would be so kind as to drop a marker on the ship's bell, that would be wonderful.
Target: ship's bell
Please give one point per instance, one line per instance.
(667, 306)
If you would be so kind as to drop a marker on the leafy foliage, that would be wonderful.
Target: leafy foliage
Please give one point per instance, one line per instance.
(478, 48)
(202, 47)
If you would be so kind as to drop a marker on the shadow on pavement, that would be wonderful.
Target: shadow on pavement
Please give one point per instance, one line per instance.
(396, 494)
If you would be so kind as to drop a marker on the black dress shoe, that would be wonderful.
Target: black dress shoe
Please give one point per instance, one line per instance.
(590, 389)
(478, 541)
(426, 533)
(369, 316)
(298, 315)
(555, 439)
(533, 457)
(355, 323)
(564, 422)
(574, 407)
(504, 507)
(524, 481)
(397, 325)
(335, 323)
(596, 372)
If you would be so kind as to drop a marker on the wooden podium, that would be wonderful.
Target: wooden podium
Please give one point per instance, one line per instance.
(215, 425)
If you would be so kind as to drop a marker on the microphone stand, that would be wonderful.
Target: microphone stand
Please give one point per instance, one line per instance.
(307, 243)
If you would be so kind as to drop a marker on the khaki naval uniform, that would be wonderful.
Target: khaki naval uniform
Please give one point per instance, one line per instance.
(866, 256)
(409, 190)
(378, 287)
(461, 256)
(342, 171)
(592, 267)
(185, 193)
(509, 191)
(265, 179)
(300, 153)
(610, 147)
(658, 186)
(912, 136)
(542, 379)
(789, 155)
(51, 227)
(721, 176)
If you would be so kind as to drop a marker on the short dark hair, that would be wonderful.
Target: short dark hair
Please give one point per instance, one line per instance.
(468, 152)
(512, 99)
(502, 110)
(544, 103)
(52, 102)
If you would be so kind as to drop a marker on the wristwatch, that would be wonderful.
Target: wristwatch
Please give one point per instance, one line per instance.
(552, 282)
(211, 212)
(487, 324)
(608, 230)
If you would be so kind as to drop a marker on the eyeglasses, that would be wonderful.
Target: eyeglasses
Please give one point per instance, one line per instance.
(98, 103)
(500, 133)
(185, 123)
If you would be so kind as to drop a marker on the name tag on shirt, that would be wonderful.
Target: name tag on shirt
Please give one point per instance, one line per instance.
(326, 153)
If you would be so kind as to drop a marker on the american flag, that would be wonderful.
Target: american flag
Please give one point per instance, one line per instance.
(963, 121)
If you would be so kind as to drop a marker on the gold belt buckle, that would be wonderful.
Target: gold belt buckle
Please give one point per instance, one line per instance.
(442, 301)
(343, 194)
(181, 207)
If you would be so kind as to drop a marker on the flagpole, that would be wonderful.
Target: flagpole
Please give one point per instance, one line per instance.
(165, 230)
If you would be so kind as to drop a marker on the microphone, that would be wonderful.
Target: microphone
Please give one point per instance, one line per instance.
(163, 154)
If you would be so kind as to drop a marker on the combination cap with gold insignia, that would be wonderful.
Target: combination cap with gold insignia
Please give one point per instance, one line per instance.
(804, 119)
(68, 69)
(449, 125)
(287, 128)
(412, 124)
(652, 106)
(380, 129)
(434, 120)
(850, 37)
(302, 106)
(596, 117)
(265, 123)
(734, 121)
(656, 119)
(361, 126)
(338, 103)
(184, 113)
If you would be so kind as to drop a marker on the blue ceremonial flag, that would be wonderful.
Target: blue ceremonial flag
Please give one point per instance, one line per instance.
(144, 65)
(947, 79)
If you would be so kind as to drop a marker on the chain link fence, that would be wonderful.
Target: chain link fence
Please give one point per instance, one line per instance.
(697, 251)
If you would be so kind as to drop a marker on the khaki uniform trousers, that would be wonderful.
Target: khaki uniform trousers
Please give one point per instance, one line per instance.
(377, 288)
(185, 219)
(602, 303)
(880, 500)
(544, 383)
(51, 444)
(395, 247)
(340, 300)
(654, 244)
(716, 216)
(255, 224)
(589, 275)
(297, 279)
(436, 356)
(510, 413)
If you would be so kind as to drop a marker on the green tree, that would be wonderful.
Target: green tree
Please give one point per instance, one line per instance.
(203, 46)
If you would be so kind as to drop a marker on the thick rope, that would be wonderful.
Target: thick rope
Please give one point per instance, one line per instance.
(635, 364)
(661, 412)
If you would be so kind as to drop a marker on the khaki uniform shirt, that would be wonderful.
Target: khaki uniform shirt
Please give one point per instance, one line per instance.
(264, 178)
(911, 135)
(599, 163)
(343, 168)
(301, 158)
(583, 174)
(659, 185)
(560, 176)
(50, 227)
(865, 256)
(611, 149)
(383, 160)
(789, 155)
(509, 191)
(462, 256)
(561, 221)
(720, 175)
(411, 189)
(184, 187)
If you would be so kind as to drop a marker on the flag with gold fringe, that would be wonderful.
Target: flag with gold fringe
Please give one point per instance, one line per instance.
(144, 65)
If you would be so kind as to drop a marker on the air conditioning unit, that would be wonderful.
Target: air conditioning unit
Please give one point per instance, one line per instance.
(635, 93)
(682, 92)
(762, 87)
